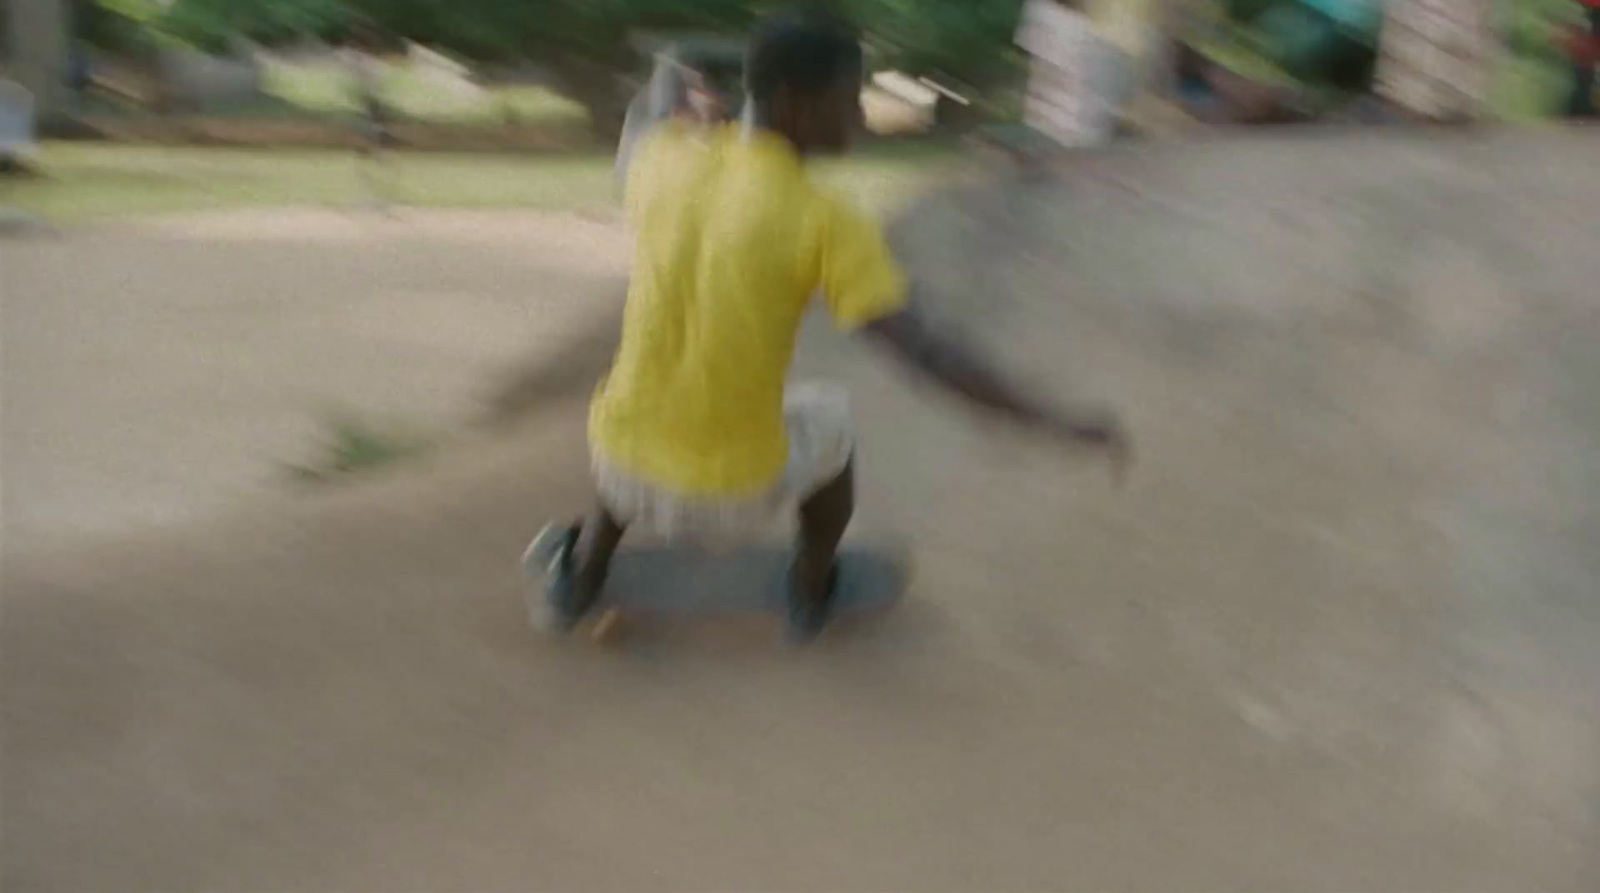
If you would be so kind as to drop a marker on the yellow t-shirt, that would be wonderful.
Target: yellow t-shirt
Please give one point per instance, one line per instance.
(733, 239)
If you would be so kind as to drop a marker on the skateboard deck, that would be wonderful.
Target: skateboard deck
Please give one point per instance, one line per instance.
(678, 583)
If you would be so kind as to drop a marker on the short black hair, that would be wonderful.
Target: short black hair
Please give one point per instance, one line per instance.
(806, 49)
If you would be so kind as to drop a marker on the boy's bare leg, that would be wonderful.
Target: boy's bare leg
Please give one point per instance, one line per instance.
(824, 515)
(582, 557)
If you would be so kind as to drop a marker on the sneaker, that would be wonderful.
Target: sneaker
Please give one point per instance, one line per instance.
(808, 617)
(549, 560)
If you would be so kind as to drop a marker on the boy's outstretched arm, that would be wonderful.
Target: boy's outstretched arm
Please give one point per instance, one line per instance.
(912, 340)
(866, 290)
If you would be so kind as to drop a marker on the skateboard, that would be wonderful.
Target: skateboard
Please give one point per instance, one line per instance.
(664, 583)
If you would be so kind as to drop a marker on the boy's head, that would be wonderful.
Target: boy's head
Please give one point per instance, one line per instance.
(803, 71)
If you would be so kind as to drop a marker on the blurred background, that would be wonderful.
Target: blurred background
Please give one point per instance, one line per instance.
(557, 77)
(552, 76)
(552, 72)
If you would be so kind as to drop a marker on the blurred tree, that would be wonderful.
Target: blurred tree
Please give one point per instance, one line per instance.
(211, 24)
(966, 42)
(586, 44)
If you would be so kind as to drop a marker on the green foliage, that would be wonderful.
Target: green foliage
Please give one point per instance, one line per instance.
(1535, 78)
(143, 12)
(507, 29)
(585, 42)
(967, 41)
(1535, 28)
(211, 24)
(121, 25)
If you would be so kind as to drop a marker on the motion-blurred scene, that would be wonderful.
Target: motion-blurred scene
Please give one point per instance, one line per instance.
(303, 302)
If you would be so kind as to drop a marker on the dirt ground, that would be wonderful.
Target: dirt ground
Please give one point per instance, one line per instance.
(1339, 634)
(159, 370)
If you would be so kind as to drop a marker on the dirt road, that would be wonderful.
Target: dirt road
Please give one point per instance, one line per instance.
(1339, 634)
(162, 370)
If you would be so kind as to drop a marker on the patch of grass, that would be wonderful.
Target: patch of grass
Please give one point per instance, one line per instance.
(562, 183)
(355, 446)
(82, 181)
(89, 181)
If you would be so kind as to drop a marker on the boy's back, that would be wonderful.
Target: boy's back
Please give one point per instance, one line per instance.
(733, 239)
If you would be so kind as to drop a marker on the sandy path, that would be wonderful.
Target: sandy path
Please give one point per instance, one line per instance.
(156, 372)
(1338, 636)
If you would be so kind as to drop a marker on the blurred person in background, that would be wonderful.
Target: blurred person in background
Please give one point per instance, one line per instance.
(696, 432)
(1073, 74)
(1089, 61)
(365, 69)
(1436, 59)
(361, 58)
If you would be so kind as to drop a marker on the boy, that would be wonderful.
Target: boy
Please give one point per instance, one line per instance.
(694, 432)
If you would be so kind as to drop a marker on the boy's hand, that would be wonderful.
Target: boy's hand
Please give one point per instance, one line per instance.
(1100, 431)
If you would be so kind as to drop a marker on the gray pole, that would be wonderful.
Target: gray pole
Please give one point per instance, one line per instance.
(39, 38)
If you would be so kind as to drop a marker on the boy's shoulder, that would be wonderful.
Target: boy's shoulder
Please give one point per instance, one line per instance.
(669, 135)
(657, 156)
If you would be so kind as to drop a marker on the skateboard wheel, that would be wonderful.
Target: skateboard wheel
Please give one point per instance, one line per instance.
(605, 626)
(541, 618)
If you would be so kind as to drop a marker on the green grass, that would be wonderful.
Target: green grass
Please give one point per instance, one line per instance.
(92, 181)
(353, 446)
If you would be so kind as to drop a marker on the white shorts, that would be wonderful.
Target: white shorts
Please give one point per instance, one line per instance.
(821, 442)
